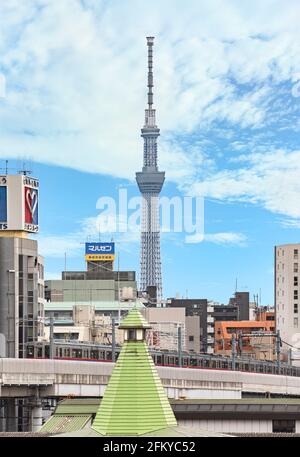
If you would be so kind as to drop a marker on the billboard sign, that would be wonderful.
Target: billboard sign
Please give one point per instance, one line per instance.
(99, 251)
(19, 196)
(3, 207)
(31, 205)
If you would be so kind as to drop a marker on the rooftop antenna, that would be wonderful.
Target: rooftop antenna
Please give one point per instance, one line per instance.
(259, 296)
(6, 168)
(23, 171)
(236, 284)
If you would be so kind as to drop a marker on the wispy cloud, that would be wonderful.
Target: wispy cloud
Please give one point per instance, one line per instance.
(75, 89)
(223, 238)
(90, 228)
(269, 179)
(57, 245)
(290, 223)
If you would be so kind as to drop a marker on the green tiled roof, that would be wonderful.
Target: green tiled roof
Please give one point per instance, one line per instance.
(134, 319)
(78, 406)
(134, 401)
(63, 424)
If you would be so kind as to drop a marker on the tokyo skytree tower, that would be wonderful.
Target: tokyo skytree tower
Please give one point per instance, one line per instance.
(150, 182)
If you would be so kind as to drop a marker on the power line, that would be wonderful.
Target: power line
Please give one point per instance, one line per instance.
(290, 345)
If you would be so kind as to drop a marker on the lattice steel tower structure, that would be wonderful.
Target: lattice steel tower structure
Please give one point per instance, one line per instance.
(150, 182)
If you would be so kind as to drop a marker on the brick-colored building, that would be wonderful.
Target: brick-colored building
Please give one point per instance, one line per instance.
(259, 347)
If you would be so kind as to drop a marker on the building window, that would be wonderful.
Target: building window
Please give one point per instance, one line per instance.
(131, 335)
(295, 280)
(296, 322)
(284, 426)
(296, 308)
(295, 294)
(295, 253)
(295, 267)
(191, 338)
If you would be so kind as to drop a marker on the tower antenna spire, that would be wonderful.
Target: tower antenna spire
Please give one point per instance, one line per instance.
(150, 43)
(150, 181)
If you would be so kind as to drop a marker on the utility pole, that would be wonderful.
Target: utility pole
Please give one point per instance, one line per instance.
(233, 351)
(240, 344)
(118, 285)
(278, 341)
(179, 347)
(290, 356)
(51, 355)
(113, 340)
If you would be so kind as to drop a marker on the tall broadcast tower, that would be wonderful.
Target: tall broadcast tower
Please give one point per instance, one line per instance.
(150, 182)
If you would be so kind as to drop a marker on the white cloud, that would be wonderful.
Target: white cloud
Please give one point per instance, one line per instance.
(291, 223)
(58, 245)
(225, 238)
(91, 228)
(76, 89)
(270, 179)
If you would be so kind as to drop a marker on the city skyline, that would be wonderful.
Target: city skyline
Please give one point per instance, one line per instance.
(228, 96)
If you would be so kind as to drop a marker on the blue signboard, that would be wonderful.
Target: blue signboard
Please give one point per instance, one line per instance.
(3, 204)
(99, 248)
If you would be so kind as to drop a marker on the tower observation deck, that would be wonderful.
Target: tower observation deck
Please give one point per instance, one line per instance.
(150, 181)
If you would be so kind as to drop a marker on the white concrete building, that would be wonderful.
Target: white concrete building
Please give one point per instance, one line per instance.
(287, 294)
(164, 327)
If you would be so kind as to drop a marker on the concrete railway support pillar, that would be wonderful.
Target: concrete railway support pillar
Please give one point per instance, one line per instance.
(36, 416)
(11, 415)
(2, 415)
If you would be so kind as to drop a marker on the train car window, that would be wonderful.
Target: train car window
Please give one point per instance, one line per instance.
(284, 426)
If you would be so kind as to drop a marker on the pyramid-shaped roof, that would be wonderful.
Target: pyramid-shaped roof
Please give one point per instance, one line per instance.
(134, 401)
(134, 319)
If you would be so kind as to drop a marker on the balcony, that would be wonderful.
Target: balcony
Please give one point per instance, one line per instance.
(210, 309)
(210, 329)
(210, 319)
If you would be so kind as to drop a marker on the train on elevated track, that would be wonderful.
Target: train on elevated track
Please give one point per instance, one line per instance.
(73, 350)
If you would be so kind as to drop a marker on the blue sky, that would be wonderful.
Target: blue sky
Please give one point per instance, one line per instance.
(227, 94)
